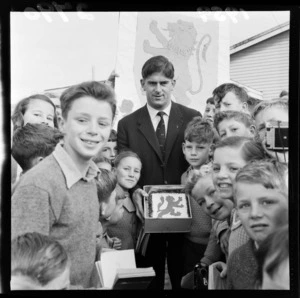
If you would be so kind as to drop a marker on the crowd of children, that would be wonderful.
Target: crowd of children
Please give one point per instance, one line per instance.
(74, 190)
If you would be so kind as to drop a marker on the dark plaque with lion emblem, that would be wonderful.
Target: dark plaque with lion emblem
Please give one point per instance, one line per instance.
(166, 209)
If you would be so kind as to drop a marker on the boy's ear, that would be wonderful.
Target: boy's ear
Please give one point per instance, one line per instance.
(173, 84)
(36, 160)
(183, 147)
(245, 107)
(252, 129)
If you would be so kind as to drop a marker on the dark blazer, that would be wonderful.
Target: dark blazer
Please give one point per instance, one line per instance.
(136, 132)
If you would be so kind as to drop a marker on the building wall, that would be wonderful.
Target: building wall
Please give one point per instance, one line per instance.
(263, 66)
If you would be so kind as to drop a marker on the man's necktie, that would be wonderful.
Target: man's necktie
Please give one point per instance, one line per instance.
(161, 132)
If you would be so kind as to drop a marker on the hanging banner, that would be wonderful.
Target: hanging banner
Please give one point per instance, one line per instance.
(197, 47)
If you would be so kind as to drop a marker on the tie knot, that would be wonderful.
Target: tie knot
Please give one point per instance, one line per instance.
(161, 114)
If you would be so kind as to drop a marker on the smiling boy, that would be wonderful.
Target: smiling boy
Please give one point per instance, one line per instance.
(58, 197)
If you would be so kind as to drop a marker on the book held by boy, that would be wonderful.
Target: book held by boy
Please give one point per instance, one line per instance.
(117, 270)
(215, 281)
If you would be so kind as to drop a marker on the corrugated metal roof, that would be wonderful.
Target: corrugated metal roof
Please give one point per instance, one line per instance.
(259, 37)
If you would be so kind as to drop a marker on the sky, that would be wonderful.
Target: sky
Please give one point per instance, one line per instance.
(52, 50)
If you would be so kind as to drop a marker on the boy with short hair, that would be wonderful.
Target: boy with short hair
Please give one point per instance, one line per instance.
(110, 149)
(261, 198)
(272, 110)
(210, 110)
(32, 143)
(234, 123)
(198, 139)
(58, 197)
(230, 96)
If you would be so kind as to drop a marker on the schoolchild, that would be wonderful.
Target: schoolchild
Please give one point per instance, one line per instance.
(36, 108)
(32, 143)
(229, 96)
(234, 123)
(210, 110)
(38, 262)
(58, 197)
(110, 150)
(261, 198)
(107, 195)
(276, 111)
(127, 168)
(230, 155)
(198, 139)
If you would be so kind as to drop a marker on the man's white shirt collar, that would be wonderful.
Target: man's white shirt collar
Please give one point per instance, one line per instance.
(153, 112)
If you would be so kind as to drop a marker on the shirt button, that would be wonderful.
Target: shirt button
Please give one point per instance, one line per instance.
(166, 182)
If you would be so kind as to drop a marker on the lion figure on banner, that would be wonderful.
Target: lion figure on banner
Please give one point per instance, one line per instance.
(179, 49)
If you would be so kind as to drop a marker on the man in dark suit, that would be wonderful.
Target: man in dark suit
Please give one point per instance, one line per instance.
(162, 158)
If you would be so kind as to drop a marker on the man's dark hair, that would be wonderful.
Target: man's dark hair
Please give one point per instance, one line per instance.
(158, 64)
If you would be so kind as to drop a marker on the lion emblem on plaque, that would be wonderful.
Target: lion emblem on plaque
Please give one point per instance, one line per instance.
(179, 49)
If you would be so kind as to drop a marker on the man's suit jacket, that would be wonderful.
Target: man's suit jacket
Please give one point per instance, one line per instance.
(136, 132)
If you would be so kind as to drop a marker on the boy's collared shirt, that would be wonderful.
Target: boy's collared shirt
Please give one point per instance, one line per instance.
(69, 169)
(155, 119)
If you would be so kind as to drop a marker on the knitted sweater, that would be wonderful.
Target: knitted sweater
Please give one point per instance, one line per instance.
(43, 203)
(242, 267)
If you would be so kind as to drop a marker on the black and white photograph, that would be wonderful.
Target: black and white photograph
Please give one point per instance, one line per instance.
(99, 104)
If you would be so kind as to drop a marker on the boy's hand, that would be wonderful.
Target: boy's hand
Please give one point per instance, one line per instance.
(117, 243)
(137, 198)
(222, 267)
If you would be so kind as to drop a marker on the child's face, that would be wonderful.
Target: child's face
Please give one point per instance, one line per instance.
(231, 127)
(226, 163)
(104, 165)
(86, 128)
(128, 172)
(209, 112)
(110, 150)
(261, 210)
(231, 102)
(195, 153)
(39, 111)
(107, 208)
(269, 114)
(206, 195)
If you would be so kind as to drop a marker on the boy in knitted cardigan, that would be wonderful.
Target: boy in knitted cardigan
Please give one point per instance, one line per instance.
(58, 197)
(261, 197)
